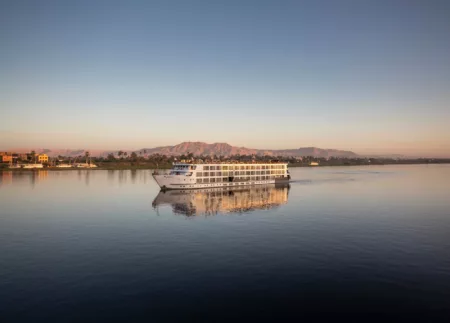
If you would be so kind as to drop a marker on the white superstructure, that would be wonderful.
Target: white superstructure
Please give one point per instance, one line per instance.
(189, 175)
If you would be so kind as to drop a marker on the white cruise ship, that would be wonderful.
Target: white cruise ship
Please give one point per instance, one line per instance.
(190, 175)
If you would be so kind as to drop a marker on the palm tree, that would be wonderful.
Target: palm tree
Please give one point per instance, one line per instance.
(33, 156)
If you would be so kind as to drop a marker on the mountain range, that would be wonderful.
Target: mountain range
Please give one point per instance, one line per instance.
(224, 149)
(201, 148)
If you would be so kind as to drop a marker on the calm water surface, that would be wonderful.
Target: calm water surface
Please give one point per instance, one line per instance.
(78, 246)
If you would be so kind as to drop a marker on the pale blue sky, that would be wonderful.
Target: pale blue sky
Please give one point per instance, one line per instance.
(371, 76)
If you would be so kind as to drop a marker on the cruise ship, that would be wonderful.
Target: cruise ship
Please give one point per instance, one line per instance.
(191, 176)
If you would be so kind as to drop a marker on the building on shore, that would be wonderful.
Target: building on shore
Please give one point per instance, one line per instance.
(43, 158)
(6, 158)
(24, 157)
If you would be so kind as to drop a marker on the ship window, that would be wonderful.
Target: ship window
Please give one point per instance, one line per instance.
(218, 180)
(205, 167)
(242, 167)
(206, 174)
(225, 173)
(258, 178)
(199, 180)
(224, 167)
(199, 174)
(253, 166)
(206, 180)
(212, 173)
(225, 179)
(247, 173)
(212, 180)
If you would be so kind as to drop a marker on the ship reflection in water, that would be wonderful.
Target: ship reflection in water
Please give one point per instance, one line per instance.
(214, 201)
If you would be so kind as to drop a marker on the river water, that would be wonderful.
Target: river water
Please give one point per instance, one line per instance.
(94, 245)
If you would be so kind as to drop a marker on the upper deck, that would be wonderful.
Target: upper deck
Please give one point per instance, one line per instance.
(193, 165)
(228, 169)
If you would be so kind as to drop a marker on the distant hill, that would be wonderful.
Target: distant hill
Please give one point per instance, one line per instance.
(224, 149)
(200, 148)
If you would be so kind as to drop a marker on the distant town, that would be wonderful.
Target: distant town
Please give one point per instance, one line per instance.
(142, 160)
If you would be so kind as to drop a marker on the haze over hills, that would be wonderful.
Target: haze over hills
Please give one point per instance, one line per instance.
(201, 148)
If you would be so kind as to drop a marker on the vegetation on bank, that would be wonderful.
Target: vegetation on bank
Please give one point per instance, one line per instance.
(157, 161)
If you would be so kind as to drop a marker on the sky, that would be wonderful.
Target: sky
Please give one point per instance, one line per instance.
(368, 76)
